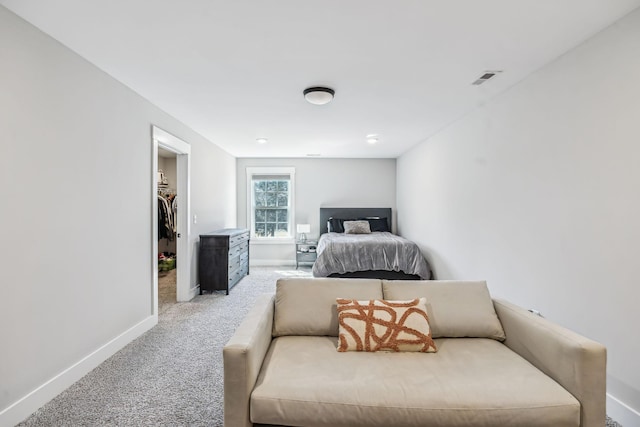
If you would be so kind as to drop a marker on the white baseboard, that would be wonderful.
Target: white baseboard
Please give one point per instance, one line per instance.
(272, 263)
(193, 292)
(188, 295)
(622, 413)
(28, 404)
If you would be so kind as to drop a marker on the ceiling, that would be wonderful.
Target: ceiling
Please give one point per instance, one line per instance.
(234, 71)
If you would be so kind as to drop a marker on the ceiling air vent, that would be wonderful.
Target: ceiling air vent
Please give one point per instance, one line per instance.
(486, 76)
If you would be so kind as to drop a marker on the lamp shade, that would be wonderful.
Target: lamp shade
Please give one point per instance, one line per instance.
(303, 228)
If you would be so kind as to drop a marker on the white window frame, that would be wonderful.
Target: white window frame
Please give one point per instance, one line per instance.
(251, 211)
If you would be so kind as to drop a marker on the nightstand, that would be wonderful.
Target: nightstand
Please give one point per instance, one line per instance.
(306, 252)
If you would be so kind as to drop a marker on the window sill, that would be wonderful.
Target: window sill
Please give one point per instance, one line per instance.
(272, 241)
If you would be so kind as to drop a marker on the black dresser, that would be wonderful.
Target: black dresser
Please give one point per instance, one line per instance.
(223, 259)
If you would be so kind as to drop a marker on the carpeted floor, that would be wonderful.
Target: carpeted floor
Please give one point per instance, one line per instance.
(166, 289)
(171, 375)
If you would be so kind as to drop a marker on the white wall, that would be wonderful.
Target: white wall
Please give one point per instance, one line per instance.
(76, 172)
(320, 183)
(538, 192)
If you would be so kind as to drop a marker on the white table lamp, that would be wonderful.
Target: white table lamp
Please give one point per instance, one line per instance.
(303, 229)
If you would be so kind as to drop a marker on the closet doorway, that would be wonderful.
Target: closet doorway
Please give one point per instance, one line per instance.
(176, 152)
(168, 201)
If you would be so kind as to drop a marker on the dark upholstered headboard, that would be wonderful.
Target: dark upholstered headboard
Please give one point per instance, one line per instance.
(352, 213)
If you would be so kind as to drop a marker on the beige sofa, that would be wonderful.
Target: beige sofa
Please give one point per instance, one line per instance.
(496, 365)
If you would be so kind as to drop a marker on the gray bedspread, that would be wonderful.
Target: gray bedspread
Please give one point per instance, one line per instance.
(342, 253)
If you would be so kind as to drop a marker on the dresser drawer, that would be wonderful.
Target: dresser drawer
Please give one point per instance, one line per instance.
(239, 249)
(234, 263)
(237, 274)
(306, 256)
(235, 251)
(238, 239)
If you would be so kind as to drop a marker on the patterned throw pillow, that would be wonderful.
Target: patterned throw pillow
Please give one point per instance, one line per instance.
(356, 227)
(379, 325)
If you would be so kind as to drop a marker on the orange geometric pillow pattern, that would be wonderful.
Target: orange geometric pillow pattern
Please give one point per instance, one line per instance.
(379, 325)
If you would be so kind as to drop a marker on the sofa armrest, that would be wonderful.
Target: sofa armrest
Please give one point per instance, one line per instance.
(577, 363)
(243, 356)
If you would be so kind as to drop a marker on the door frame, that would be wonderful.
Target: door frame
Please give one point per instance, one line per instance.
(163, 139)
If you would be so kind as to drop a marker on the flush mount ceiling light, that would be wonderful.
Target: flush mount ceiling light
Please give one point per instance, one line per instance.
(261, 140)
(372, 139)
(318, 95)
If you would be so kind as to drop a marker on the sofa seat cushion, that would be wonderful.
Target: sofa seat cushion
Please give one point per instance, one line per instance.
(304, 381)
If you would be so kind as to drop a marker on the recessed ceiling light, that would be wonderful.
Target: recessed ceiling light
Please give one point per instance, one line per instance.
(372, 139)
(318, 95)
(261, 140)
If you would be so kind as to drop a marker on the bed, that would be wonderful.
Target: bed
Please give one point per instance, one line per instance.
(379, 254)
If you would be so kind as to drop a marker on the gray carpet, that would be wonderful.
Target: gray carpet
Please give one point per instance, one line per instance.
(171, 375)
(166, 289)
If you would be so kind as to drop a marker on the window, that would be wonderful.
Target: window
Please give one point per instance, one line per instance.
(270, 192)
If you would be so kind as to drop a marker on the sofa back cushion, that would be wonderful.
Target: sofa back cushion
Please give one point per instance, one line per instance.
(455, 308)
(307, 306)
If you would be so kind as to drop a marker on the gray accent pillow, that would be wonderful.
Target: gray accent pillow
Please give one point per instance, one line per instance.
(357, 227)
